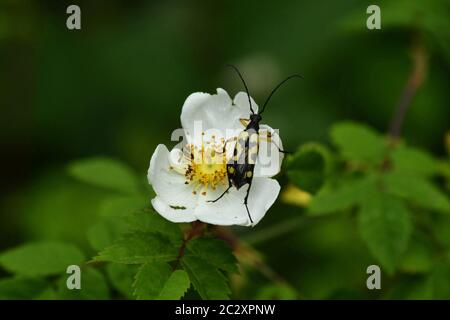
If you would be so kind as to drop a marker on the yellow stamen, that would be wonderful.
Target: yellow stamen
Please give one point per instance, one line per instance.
(206, 167)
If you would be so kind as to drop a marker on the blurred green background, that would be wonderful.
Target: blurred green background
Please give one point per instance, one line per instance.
(116, 88)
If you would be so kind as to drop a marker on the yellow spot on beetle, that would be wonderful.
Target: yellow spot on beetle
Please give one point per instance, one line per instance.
(249, 174)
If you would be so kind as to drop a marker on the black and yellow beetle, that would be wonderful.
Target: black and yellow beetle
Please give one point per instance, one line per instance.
(241, 166)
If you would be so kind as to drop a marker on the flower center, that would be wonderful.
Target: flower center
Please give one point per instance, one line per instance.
(205, 167)
(208, 166)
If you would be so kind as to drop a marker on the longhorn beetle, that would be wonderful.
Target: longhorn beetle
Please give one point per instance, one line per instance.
(241, 166)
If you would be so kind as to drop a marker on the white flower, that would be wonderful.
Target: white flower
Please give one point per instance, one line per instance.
(185, 180)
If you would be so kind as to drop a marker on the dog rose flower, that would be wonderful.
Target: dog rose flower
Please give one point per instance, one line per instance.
(186, 178)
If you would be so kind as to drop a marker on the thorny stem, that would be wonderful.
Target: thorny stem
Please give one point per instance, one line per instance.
(415, 80)
(197, 229)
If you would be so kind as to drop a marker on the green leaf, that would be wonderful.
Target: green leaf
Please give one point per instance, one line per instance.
(122, 277)
(309, 167)
(103, 234)
(147, 220)
(209, 282)
(139, 247)
(418, 190)
(122, 215)
(158, 281)
(111, 228)
(418, 258)
(413, 161)
(346, 195)
(385, 225)
(176, 286)
(21, 288)
(93, 287)
(41, 258)
(105, 173)
(217, 252)
(358, 142)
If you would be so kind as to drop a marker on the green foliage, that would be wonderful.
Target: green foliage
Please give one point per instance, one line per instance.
(438, 281)
(117, 101)
(139, 247)
(145, 256)
(40, 258)
(176, 286)
(120, 206)
(348, 194)
(358, 142)
(154, 248)
(93, 287)
(148, 221)
(59, 209)
(103, 234)
(157, 281)
(105, 172)
(210, 283)
(21, 288)
(122, 278)
(433, 285)
(418, 258)
(215, 251)
(387, 185)
(385, 225)
(417, 190)
(276, 292)
(408, 160)
(113, 225)
(309, 167)
(439, 226)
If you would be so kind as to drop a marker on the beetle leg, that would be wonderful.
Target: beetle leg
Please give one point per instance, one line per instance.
(283, 151)
(246, 200)
(268, 138)
(229, 186)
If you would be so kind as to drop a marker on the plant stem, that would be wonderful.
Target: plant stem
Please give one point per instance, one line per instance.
(197, 229)
(415, 80)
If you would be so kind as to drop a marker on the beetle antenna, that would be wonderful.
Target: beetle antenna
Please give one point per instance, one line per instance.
(278, 86)
(245, 85)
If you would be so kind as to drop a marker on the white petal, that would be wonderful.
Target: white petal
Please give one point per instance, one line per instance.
(270, 158)
(171, 214)
(168, 184)
(230, 209)
(215, 111)
(241, 101)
